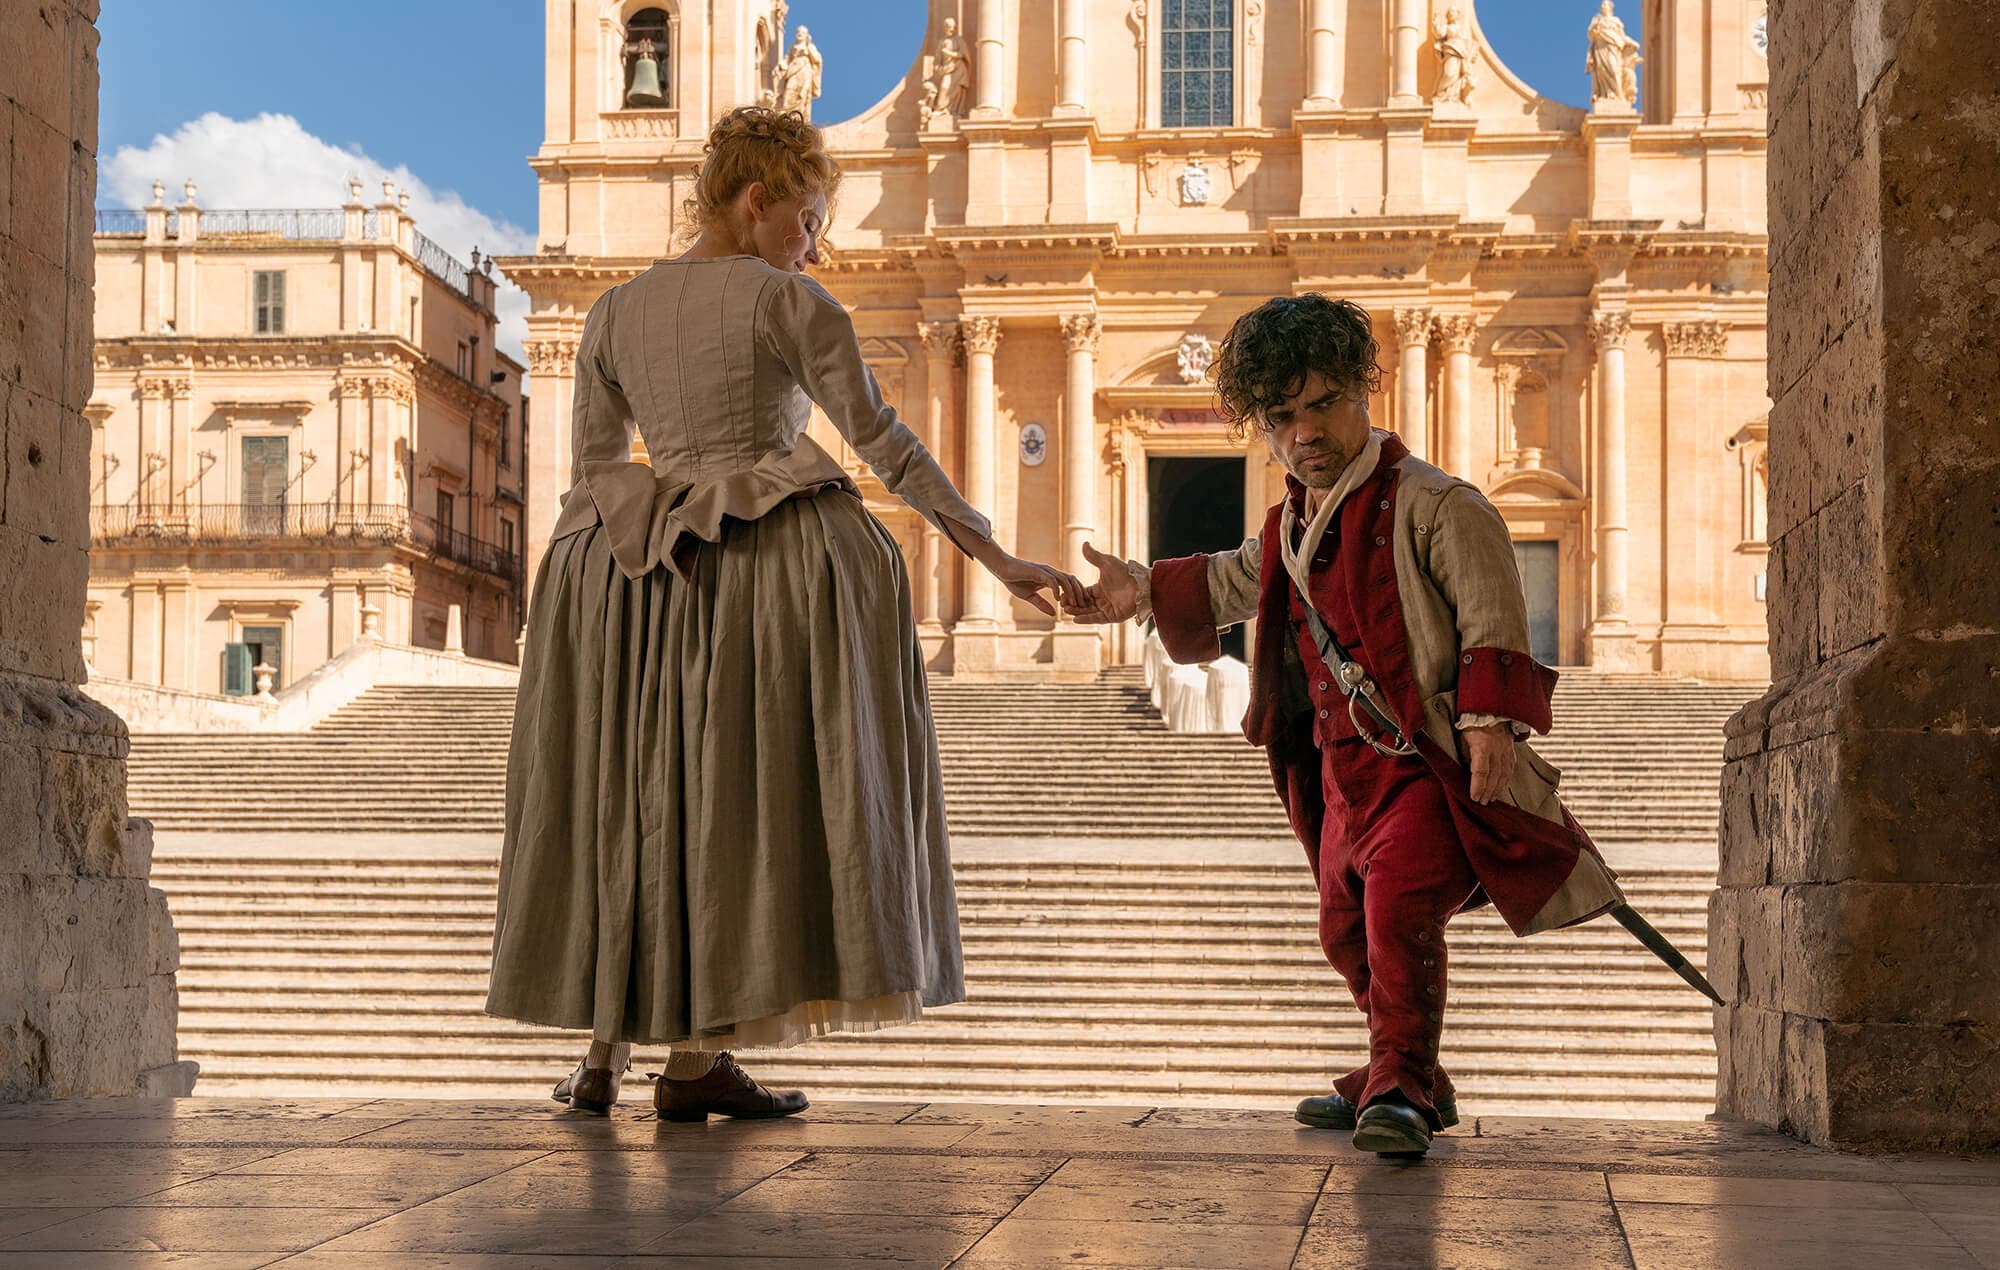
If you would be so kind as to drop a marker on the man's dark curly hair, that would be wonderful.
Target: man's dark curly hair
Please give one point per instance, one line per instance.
(1268, 353)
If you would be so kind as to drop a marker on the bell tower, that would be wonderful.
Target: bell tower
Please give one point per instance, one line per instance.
(1704, 60)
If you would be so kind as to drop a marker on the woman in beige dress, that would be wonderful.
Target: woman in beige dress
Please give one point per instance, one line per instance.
(724, 821)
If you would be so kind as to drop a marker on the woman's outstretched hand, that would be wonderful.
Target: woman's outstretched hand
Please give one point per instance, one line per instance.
(1026, 580)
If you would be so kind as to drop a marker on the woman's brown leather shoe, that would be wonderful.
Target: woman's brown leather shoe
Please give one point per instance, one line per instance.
(588, 1089)
(727, 1090)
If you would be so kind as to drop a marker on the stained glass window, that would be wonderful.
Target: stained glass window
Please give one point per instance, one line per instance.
(1197, 63)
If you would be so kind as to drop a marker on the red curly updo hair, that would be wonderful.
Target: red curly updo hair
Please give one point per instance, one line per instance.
(756, 143)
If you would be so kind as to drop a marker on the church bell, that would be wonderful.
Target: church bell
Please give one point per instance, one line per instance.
(646, 89)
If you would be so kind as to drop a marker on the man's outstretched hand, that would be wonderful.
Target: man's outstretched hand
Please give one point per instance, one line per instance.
(1489, 754)
(1114, 598)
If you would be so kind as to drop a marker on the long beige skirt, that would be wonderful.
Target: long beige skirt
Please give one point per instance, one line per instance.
(724, 820)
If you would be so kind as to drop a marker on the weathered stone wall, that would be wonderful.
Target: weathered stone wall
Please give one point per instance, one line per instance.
(1857, 930)
(87, 952)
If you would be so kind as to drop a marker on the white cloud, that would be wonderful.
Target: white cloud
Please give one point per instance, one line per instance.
(270, 161)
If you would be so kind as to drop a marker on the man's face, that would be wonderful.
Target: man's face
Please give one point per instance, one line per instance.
(1317, 431)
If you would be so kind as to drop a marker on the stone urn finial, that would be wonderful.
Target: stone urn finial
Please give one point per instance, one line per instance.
(159, 194)
(266, 675)
(187, 192)
(371, 622)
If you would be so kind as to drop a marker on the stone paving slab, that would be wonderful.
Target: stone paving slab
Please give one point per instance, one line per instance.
(356, 1183)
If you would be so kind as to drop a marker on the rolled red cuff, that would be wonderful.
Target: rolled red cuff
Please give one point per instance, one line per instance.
(1182, 611)
(1504, 682)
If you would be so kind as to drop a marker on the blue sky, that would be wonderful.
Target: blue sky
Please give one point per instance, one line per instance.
(454, 97)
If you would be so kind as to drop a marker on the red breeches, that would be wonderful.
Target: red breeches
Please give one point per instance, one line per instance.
(1391, 873)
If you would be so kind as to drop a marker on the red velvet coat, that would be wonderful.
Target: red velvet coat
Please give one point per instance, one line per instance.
(1527, 865)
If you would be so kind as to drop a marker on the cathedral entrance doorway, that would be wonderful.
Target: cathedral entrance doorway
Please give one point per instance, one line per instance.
(1195, 504)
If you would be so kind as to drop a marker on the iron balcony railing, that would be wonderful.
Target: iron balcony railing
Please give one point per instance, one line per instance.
(310, 224)
(441, 264)
(121, 220)
(371, 523)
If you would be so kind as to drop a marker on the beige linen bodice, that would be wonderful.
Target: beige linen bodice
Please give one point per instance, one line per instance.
(717, 363)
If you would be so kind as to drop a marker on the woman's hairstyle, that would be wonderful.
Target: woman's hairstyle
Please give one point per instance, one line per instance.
(756, 143)
(1267, 355)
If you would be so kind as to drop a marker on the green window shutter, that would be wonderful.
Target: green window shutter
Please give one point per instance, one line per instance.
(236, 670)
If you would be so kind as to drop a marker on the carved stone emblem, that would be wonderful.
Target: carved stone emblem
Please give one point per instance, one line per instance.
(1195, 355)
(1195, 184)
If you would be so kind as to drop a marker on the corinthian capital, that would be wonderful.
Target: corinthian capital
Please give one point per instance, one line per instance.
(1080, 332)
(1456, 330)
(551, 356)
(982, 334)
(1413, 328)
(1609, 327)
(1695, 339)
(940, 337)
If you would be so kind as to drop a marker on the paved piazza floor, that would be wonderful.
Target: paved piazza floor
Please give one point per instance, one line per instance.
(354, 1183)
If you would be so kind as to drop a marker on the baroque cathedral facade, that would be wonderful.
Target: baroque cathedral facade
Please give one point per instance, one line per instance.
(1049, 223)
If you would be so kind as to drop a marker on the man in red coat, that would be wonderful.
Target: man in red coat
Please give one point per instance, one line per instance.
(1391, 708)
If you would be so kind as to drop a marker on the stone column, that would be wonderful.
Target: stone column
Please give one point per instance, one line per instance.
(180, 454)
(87, 951)
(1456, 332)
(351, 447)
(552, 361)
(982, 340)
(1690, 539)
(1322, 57)
(1079, 473)
(1856, 933)
(1406, 39)
(1608, 328)
(989, 62)
(1413, 342)
(1073, 58)
(934, 554)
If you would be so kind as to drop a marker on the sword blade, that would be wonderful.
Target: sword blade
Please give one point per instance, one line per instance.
(1662, 947)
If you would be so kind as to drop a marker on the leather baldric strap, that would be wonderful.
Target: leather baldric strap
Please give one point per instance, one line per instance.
(1361, 692)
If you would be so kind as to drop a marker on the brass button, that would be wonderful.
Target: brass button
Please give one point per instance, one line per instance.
(1385, 504)
(1422, 935)
(1423, 529)
(1506, 659)
(1467, 659)
(1322, 714)
(1381, 541)
(1324, 685)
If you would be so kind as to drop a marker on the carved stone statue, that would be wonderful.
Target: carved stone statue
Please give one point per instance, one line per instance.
(799, 75)
(1614, 59)
(1456, 47)
(947, 74)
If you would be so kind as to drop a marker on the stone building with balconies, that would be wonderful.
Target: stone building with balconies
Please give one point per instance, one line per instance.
(302, 435)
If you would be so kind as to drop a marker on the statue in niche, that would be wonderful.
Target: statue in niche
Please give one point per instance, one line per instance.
(1456, 48)
(799, 75)
(1195, 185)
(1614, 59)
(947, 75)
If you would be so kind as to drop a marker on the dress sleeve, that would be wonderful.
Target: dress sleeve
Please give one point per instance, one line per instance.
(814, 336)
(1472, 561)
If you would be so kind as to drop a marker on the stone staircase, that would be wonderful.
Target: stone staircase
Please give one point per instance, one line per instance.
(1091, 979)
(1641, 757)
(1177, 966)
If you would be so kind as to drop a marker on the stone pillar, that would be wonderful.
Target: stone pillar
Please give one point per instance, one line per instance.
(1456, 332)
(351, 449)
(934, 554)
(1079, 453)
(552, 361)
(1407, 35)
(1856, 933)
(1413, 342)
(87, 951)
(1322, 56)
(1073, 58)
(982, 340)
(1688, 607)
(1609, 633)
(989, 62)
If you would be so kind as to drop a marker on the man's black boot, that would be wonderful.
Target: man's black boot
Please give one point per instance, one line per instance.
(1391, 1126)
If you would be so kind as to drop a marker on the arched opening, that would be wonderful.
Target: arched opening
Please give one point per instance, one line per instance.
(647, 62)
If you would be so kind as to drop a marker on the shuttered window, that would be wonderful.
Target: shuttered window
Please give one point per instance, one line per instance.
(270, 301)
(265, 460)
